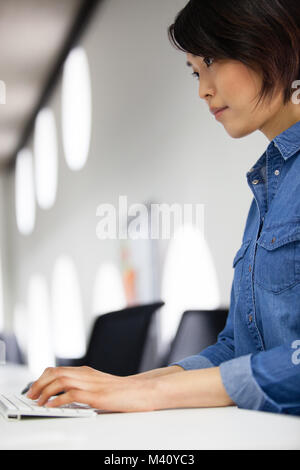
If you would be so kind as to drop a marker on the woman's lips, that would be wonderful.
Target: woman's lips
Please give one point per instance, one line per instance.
(220, 112)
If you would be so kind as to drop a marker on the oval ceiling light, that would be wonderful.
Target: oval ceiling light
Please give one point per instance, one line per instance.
(45, 158)
(76, 108)
(24, 192)
(189, 280)
(68, 319)
(40, 348)
(108, 279)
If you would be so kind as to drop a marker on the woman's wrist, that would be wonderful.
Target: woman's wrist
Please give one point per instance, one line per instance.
(201, 388)
(154, 373)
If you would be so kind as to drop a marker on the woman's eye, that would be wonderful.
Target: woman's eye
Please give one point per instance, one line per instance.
(208, 61)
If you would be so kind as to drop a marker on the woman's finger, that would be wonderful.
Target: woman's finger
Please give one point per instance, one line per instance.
(64, 384)
(74, 395)
(53, 373)
(121, 395)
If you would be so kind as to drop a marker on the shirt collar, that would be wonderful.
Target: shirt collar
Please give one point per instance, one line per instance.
(287, 143)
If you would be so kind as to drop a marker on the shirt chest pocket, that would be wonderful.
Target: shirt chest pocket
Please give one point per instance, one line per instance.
(277, 261)
(238, 265)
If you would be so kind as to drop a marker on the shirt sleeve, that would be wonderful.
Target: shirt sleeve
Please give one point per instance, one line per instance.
(266, 381)
(220, 352)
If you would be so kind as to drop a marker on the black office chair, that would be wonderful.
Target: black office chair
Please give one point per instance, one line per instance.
(13, 352)
(117, 341)
(197, 330)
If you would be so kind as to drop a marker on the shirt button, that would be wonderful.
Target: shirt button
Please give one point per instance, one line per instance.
(250, 318)
(255, 182)
(273, 240)
(277, 173)
(250, 268)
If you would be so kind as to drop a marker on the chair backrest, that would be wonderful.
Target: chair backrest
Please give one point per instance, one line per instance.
(13, 352)
(197, 330)
(118, 339)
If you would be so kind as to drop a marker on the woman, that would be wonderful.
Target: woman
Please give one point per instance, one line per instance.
(247, 56)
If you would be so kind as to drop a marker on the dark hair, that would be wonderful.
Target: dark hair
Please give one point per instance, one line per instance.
(262, 34)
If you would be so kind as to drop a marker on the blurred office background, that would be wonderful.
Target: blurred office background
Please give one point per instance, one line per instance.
(99, 105)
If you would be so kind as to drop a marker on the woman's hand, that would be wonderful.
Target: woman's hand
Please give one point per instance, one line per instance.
(96, 389)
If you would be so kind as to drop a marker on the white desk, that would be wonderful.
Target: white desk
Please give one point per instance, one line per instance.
(183, 429)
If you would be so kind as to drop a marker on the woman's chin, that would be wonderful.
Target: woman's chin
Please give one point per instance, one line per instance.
(238, 132)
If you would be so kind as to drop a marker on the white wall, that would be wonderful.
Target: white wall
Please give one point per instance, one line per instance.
(152, 138)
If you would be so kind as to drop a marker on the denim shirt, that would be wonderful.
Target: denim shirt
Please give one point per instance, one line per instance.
(259, 349)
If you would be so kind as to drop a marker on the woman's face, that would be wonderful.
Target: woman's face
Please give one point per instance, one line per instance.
(230, 83)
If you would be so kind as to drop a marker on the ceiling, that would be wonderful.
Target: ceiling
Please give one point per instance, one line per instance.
(32, 36)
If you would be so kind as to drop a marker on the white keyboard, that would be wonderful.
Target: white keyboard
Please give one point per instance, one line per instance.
(14, 407)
